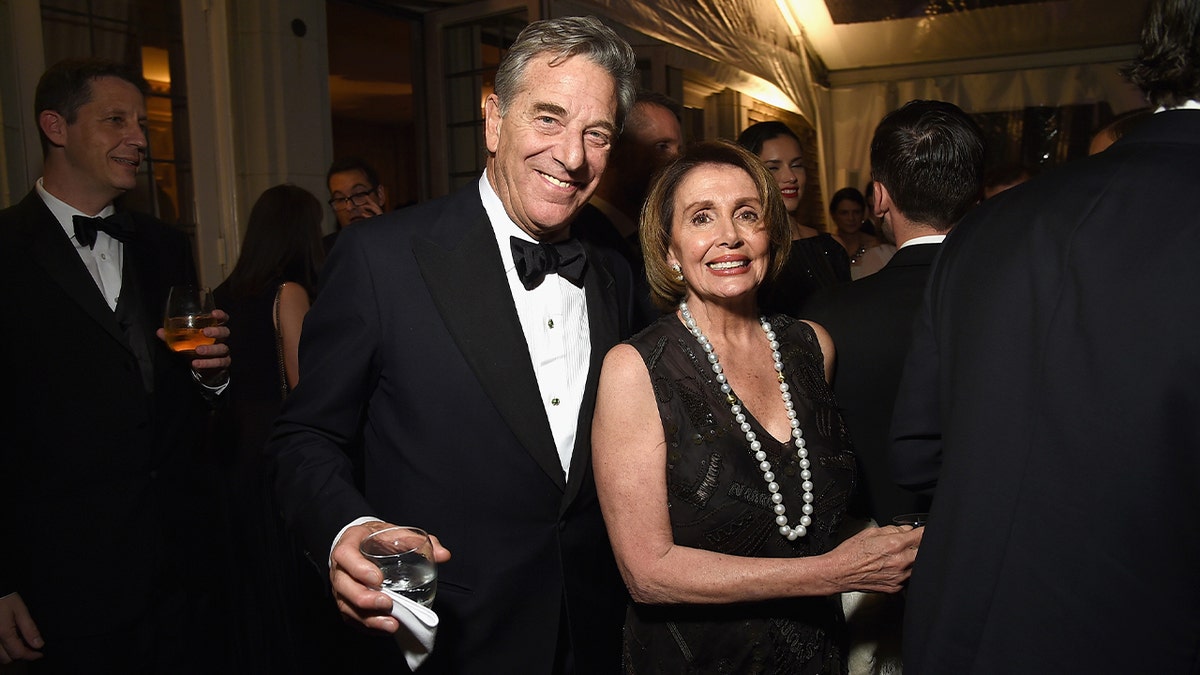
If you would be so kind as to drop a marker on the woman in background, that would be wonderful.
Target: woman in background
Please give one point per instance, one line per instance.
(868, 253)
(816, 260)
(275, 612)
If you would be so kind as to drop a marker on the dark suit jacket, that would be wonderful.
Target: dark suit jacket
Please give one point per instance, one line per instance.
(870, 321)
(593, 226)
(1055, 378)
(414, 339)
(95, 474)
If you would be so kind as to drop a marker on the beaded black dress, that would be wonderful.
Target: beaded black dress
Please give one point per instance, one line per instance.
(813, 263)
(719, 502)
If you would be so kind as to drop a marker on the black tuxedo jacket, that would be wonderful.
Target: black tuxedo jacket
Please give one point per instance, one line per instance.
(414, 343)
(96, 474)
(870, 321)
(593, 226)
(1051, 394)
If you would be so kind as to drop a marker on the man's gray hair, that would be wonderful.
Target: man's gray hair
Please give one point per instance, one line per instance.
(562, 39)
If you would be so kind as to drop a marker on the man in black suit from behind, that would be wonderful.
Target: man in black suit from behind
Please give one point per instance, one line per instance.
(926, 168)
(461, 339)
(101, 483)
(1050, 398)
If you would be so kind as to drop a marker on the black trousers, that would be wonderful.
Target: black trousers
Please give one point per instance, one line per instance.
(176, 635)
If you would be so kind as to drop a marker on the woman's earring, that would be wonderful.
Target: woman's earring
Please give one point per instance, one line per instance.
(678, 272)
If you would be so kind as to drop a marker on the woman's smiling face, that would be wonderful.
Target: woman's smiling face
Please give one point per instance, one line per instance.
(782, 157)
(718, 236)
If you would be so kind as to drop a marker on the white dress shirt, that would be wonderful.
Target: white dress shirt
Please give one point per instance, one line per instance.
(554, 318)
(103, 261)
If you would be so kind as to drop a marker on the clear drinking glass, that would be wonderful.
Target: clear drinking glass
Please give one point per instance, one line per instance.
(914, 519)
(189, 311)
(405, 556)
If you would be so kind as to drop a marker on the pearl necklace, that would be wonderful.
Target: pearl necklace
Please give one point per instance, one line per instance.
(857, 257)
(792, 533)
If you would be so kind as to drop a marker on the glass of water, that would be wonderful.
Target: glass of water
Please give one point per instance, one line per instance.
(405, 556)
(914, 519)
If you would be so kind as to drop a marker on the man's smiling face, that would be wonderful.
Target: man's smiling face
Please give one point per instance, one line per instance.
(107, 141)
(548, 150)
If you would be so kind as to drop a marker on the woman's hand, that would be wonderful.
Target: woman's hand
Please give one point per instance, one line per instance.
(877, 559)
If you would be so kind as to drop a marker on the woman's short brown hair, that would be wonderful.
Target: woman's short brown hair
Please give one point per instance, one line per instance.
(659, 211)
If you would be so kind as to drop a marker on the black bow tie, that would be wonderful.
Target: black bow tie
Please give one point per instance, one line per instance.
(536, 260)
(119, 226)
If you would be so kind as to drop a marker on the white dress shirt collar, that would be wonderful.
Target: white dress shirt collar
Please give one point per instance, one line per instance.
(924, 239)
(65, 214)
(503, 227)
(1186, 105)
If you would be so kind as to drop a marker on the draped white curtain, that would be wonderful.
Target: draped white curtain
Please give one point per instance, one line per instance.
(857, 109)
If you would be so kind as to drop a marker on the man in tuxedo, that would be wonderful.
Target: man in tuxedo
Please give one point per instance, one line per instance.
(355, 194)
(1050, 398)
(651, 139)
(101, 482)
(462, 339)
(926, 168)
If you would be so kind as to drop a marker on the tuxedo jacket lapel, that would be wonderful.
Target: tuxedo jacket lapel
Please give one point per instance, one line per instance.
(464, 275)
(604, 327)
(53, 251)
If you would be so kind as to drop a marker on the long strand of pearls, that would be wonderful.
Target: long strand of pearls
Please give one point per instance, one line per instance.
(792, 533)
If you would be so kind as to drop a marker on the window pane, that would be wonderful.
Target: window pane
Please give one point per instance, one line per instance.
(472, 54)
(146, 33)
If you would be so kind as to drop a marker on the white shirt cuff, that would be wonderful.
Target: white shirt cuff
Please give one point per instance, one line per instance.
(357, 521)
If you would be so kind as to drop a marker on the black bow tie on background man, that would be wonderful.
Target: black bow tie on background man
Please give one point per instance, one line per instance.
(537, 259)
(119, 226)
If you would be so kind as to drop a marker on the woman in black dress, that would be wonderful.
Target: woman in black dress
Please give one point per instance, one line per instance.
(274, 612)
(721, 462)
(816, 259)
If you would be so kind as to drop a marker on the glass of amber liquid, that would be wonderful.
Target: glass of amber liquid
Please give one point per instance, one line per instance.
(189, 311)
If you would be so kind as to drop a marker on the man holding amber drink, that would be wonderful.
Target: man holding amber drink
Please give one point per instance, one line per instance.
(100, 439)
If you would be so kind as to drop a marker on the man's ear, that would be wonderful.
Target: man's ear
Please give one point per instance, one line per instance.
(492, 119)
(382, 192)
(54, 126)
(881, 199)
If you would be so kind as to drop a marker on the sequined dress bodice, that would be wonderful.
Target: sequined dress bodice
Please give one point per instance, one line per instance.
(719, 502)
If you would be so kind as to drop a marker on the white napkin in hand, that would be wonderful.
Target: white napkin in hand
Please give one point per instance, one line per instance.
(418, 628)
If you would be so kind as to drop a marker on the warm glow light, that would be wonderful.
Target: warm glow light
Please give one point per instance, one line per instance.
(811, 17)
(766, 92)
(786, 10)
(156, 66)
(811, 14)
